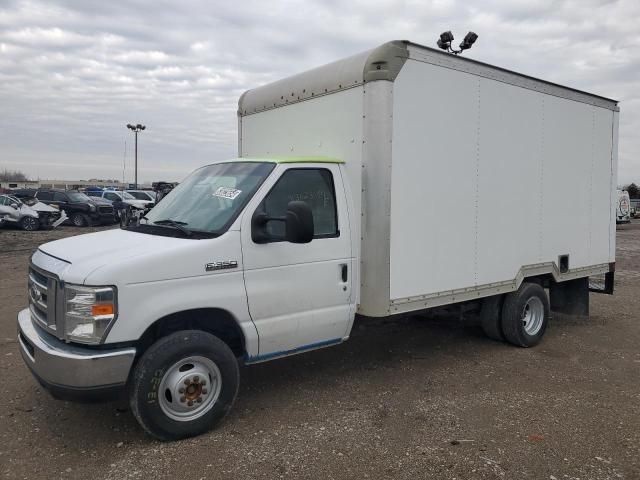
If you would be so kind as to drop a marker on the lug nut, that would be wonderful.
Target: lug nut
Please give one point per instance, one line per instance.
(187, 382)
(196, 379)
(203, 383)
(190, 403)
(182, 399)
(204, 391)
(181, 390)
(199, 400)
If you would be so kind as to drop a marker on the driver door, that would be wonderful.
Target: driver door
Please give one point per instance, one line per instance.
(299, 295)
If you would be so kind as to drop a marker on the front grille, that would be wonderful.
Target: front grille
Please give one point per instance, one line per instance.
(42, 290)
(105, 209)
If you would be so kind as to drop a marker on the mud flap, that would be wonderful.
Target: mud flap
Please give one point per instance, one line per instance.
(570, 297)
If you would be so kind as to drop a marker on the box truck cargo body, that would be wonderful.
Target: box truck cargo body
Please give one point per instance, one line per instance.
(394, 181)
(467, 177)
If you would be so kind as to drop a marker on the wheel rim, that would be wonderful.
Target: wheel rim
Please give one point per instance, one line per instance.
(77, 220)
(29, 223)
(533, 316)
(190, 388)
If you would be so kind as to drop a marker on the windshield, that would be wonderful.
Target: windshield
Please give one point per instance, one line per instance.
(211, 198)
(77, 197)
(127, 196)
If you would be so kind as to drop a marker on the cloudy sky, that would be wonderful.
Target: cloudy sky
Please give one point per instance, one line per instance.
(74, 73)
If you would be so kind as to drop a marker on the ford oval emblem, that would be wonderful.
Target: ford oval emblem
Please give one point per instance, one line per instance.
(35, 293)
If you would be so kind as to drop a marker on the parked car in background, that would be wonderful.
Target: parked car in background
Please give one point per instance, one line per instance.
(124, 197)
(623, 208)
(24, 192)
(143, 194)
(163, 189)
(27, 213)
(81, 210)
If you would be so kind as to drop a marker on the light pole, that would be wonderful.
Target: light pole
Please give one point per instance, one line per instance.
(136, 128)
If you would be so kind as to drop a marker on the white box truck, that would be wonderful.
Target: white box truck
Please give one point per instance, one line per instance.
(345, 200)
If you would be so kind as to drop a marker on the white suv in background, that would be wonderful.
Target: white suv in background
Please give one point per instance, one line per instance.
(143, 194)
(124, 197)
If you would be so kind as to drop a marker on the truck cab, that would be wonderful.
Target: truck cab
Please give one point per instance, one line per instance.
(214, 258)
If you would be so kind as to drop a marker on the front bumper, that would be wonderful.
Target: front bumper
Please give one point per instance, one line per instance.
(71, 372)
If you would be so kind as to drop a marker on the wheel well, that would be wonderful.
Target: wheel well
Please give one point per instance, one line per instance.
(545, 281)
(216, 321)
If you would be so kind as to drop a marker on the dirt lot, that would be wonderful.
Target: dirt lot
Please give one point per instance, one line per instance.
(411, 399)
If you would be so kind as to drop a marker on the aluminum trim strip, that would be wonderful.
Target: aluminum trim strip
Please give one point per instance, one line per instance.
(421, 302)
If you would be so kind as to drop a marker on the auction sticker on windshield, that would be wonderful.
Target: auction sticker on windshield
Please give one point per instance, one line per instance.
(226, 192)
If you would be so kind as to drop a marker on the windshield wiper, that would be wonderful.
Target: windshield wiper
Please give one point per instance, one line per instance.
(174, 224)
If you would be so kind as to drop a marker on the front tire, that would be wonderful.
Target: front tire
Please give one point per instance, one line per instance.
(79, 220)
(525, 315)
(29, 224)
(183, 385)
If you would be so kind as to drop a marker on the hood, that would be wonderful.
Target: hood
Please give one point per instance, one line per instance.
(116, 257)
(137, 203)
(43, 207)
(27, 210)
(100, 201)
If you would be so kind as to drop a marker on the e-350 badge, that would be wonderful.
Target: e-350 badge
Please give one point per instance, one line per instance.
(210, 267)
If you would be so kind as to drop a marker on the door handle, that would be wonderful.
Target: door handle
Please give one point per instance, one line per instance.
(344, 272)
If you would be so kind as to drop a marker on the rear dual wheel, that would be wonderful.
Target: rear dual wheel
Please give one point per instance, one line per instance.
(519, 317)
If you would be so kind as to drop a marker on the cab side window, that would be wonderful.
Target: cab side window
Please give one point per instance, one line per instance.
(112, 196)
(59, 197)
(312, 185)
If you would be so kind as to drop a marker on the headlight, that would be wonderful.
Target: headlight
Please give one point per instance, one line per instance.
(88, 312)
(92, 208)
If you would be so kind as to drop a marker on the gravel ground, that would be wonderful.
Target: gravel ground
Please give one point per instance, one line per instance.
(412, 398)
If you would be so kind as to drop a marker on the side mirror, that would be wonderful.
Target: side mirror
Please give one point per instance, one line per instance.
(14, 206)
(298, 224)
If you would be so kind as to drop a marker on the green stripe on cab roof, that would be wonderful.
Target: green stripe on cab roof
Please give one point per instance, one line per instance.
(292, 159)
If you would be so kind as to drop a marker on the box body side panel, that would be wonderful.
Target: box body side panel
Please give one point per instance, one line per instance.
(488, 178)
(433, 179)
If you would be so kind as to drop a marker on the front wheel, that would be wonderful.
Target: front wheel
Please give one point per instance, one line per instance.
(79, 220)
(184, 385)
(29, 224)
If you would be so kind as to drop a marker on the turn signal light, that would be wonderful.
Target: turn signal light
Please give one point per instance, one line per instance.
(98, 310)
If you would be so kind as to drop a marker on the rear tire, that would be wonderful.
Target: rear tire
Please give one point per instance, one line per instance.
(490, 317)
(525, 315)
(183, 385)
(29, 224)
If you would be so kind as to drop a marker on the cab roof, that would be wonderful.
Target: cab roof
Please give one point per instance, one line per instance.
(285, 159)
